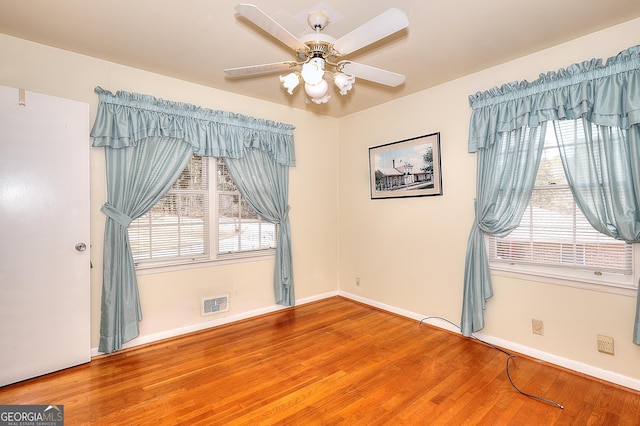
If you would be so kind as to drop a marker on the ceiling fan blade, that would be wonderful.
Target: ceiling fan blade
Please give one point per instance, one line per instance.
(368, 73)
(383, 25)
(260, 69)
(262, 20)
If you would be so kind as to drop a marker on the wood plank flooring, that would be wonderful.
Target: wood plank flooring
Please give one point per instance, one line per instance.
(332, 362)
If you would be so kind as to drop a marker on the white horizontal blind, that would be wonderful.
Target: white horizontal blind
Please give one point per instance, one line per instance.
(240, 228)
(553, 231)
(177, 230)
(177, 227)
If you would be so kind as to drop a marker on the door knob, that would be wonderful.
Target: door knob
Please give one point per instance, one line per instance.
(81, 246)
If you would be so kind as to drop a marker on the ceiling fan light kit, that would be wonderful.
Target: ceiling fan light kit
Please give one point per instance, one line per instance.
(344, 82)
(317, 50)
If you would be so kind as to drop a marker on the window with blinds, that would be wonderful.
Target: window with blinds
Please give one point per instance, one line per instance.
(202, 218)
(177, 226)
(240, 228)
(554, 235)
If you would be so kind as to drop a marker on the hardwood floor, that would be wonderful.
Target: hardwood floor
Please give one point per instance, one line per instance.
(332, 362)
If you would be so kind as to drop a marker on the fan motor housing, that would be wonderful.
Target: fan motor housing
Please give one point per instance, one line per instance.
(318, 49)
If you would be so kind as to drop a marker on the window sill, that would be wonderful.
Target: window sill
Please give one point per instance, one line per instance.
(576, 280)
(157, 268)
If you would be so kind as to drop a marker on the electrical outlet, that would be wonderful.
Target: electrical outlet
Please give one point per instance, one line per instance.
(357, 281)
(605, 344)
(537, 327)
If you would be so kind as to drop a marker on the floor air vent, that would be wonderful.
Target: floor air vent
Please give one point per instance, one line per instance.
(214, 305)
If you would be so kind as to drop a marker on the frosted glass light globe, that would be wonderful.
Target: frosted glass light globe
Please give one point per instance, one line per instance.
(313, 71)
(317, 90)
(290, 82)
(344, 82)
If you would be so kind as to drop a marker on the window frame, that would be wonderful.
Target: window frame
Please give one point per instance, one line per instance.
(569, 275)
(214, 257)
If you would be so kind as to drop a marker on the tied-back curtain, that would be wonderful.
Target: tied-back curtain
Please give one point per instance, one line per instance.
(148, 142)
(602, 169)
(605, 94)
(505, 178)
(265, 186)
(602, 165)
(139, 177)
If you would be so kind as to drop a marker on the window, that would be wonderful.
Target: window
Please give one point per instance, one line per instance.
(554, 238)
(202, 218)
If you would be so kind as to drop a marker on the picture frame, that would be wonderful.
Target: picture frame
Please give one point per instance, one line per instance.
(406, 168)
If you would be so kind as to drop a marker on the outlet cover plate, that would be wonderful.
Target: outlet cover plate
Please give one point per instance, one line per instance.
(605, 344)
(537, 327)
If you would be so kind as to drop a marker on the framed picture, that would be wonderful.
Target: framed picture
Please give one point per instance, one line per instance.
(408, 168)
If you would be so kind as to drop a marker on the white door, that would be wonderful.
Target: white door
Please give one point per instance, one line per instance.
(44, 235)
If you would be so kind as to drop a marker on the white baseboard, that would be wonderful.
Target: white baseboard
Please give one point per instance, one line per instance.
(569, 364)
(579, 367)
(142, 340)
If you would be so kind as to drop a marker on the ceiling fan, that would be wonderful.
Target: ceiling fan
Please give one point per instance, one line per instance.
(318, 50)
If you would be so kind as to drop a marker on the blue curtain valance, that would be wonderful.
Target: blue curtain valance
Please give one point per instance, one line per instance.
(125, 118)
(580, 90)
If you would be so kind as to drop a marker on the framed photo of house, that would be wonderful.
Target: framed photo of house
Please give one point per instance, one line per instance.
(407, 168)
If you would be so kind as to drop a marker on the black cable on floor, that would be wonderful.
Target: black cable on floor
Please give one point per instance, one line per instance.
(509, 357)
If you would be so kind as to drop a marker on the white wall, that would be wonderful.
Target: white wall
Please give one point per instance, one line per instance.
(171, 301)
(409, 253)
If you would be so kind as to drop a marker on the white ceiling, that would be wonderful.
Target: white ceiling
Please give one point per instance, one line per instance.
(194, 40)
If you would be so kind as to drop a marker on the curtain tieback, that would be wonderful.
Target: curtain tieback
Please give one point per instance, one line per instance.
(116, 215)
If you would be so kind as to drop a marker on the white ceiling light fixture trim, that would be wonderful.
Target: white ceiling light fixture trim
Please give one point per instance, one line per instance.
(318, 53)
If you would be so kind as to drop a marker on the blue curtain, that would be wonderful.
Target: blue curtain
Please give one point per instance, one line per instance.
(602, 165)
(505, 178)
(139, 176)
(265, 186)
(605, 94)
(148, 142)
